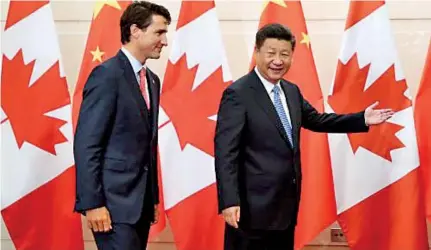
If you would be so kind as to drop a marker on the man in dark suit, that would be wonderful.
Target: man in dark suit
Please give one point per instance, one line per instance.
(115, 144)
(257, 153)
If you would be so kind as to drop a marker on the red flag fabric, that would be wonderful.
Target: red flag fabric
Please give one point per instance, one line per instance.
(423, 130)
(376, 176)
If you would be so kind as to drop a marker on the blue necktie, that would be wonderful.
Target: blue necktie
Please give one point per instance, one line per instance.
(281, 113)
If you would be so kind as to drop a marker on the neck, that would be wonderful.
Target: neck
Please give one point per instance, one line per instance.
(135, 52)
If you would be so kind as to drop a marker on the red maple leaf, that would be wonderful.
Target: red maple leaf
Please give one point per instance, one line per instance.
(190, 110)
(26, 106)
(349, 96)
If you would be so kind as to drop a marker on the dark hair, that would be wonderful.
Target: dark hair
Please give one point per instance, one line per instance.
(274, 30)
(140, 13)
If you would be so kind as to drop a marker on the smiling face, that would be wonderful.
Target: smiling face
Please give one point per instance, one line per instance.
(274, 58)
(151, 40)
(143, 29)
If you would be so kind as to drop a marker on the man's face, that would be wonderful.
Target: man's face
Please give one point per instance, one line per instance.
(273, 59)
(150, 41)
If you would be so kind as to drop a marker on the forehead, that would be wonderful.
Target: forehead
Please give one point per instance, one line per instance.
(159, 22)
(278, 44)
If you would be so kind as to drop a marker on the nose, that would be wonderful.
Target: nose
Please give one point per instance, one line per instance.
(277, 61)
(164, 40)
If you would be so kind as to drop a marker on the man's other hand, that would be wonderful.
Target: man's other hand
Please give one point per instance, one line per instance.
(376, 116)
(99, 219)
(231, 216)
(156, 215)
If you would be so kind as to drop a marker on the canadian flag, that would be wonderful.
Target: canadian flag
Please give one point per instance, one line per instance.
(317, 207)
(38, 177)
(196, 75)
(423, 126)
(376, 177)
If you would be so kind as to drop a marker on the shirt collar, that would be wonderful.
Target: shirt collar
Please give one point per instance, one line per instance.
(267, 84)
(136, 65)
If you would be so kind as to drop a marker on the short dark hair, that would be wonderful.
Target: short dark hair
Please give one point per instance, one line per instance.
(274, 30)
(140, 13)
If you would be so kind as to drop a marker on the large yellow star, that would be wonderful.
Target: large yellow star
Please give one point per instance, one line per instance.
(97, 54)
(101, 3)
(282, 3)
(305, 39)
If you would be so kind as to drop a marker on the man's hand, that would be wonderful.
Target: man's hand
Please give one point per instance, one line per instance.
(376, 116)
(99, 219)
(231, 216)
(156, 215)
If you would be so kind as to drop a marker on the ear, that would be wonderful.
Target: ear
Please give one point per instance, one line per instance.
(134, 30)
(255, 50)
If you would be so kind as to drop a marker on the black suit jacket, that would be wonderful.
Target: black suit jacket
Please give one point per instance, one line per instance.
(115, 145)
(256, 167)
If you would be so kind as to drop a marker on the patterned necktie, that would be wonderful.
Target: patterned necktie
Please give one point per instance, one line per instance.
(143, 86)
(281, 113)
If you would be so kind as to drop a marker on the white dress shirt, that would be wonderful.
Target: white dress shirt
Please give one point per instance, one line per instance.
(137, 66)
(269, 89)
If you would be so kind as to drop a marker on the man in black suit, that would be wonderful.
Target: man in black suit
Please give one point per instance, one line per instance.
(115, 144)
(257, 153)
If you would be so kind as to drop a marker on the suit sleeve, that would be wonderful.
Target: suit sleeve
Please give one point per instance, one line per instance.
(94, 126)
(330, 122)
(230, 124)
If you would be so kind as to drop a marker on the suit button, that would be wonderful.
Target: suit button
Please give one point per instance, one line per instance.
(294, 181)
(146, 168)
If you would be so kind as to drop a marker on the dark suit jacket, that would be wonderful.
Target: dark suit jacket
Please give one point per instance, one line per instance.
(115, 145)
(256, 167)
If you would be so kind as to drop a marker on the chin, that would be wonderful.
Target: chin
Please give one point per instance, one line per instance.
(275, 78)
(155, 56)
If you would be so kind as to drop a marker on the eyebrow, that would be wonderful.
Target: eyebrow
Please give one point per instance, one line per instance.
(161, 31)
(272, 49)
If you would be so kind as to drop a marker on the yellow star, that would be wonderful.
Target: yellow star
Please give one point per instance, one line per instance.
(101, 3)
(305, 39)
(97, 54)
(282, 3)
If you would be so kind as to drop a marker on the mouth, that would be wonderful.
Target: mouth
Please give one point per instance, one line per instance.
(276, 70)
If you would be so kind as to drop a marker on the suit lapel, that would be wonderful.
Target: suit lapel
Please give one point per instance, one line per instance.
(292, 104)
(154, 99)
(133, 85)
(266, 104)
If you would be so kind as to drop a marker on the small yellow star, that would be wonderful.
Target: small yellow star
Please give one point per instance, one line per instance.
(101, 3)
(305, 39)
(97, 54)
(282, 3)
